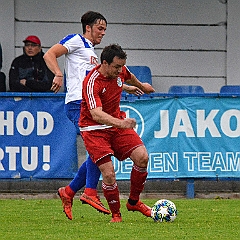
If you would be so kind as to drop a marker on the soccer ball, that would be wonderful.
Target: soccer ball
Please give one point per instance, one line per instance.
(164, 211)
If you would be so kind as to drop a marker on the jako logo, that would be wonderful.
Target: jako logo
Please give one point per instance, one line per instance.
(134, 113)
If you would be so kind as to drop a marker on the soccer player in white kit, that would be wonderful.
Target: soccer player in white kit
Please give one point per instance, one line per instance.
(80, 58)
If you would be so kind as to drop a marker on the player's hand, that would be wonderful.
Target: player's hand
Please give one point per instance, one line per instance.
(57, 83)
(134, 90)
(128, 123)
(147, 88)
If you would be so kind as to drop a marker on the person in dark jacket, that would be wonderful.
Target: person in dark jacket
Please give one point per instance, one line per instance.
(29, 72)
(0, 56)
(2, 74)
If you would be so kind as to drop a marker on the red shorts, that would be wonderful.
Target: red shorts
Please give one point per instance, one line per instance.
(111, 141)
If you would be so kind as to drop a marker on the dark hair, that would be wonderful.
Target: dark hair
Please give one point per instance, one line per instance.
(90, 18)
(111, 51)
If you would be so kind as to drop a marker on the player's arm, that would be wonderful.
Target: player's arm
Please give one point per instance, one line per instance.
(145, 87)
(102, 117)
(50, 58)
(132, 90)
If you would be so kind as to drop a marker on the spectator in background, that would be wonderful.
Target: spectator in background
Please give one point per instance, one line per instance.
(2, 75)
(29, 72)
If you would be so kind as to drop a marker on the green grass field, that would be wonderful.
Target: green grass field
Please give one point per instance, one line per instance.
(44, 219)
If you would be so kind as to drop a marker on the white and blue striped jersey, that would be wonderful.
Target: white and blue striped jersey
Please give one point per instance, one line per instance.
(80, 59)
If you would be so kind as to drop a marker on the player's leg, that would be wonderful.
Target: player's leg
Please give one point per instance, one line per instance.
(110, 187)
(128, 144)
(72, 110)
(98, 145)
(90, 195)
(93, 174)
(88, 174)
(79, 180)
(67, 193)
(138, 178)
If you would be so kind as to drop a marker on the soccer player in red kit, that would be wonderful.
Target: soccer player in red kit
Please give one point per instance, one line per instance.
(106, 132)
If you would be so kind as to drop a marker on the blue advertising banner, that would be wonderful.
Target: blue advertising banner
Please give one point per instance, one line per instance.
(187, 137)
(36, 138)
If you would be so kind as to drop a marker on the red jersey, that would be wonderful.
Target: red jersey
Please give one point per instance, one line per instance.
(99, 91)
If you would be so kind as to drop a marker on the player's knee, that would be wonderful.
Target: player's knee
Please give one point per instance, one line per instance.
(143, 160)
(109, 177)
(140, 156)
(108, 173)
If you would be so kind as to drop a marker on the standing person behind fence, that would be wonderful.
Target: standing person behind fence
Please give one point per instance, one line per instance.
(2, 74)
(105, 132)
(29, 72)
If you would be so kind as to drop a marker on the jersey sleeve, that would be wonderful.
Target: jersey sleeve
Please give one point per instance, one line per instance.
(71, 42)
(91, 91)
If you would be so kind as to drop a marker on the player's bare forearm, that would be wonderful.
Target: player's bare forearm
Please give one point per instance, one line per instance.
(132, 90)
(102, 117)
(145, 87)
(50, 58)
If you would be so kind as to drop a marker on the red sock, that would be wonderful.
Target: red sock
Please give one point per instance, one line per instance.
(111, 194)
(138, 178)
(90, 191)
(69, 191)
